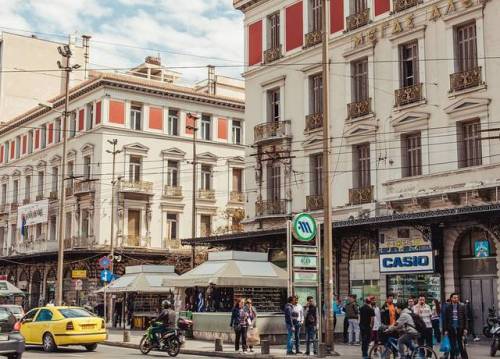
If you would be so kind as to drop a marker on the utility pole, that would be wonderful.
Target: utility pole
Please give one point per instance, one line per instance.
(327, 203)
(65, 52)
(193, 212)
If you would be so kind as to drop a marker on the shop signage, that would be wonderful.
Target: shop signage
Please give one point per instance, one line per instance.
(78, 284)
(78, 273)
(407, 262)
(305, 276)
(304, 227)
(33, 213)
(305, 261)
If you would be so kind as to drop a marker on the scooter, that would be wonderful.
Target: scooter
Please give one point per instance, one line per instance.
(170, 342)
(490, 322)
(495, 342)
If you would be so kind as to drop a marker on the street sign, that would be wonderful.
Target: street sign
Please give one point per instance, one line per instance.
(106, 275)
(78, 273)
(305, 261)
(305, 276)
(78, 284)
(304, 227)
(104, 262)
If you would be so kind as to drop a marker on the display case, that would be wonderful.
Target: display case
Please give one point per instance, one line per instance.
(412, 285)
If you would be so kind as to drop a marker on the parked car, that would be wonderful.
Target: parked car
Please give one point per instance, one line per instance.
(53, 326)
(17, 310)
(11, 341)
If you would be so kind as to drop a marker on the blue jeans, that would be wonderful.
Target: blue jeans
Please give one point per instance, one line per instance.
(311, 338)
(289, 338)
(297, 337)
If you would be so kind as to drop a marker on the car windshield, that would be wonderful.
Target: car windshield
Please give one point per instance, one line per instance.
(75, 313)
(7, 321)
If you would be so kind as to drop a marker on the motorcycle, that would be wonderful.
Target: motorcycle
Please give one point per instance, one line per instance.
(495, 334)
(490, 322)
(170, 342)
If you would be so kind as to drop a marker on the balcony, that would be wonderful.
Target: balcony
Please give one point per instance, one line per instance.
(270, 208)
(360, 195)
(26, 201)
(313, 38)
(272, 54)
(314, 121)
(314, 203)
(14, 207)
(84, 187)
(172, 191)
(206, 194)
(132, 240)
(68, 191)
(359, 108)
(38, 246)
(4, 208)
(53, 195)
(357, 20)
(84, 242)
(465, 79)
(400, 5)
(272, 130)
(407, 95)
(141, 187)
(236, 197)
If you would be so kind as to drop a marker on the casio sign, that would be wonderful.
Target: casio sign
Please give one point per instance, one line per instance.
(407, 262)
(397, 262)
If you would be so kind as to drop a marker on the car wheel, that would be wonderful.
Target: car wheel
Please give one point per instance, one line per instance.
(91, 347)
(49, 345)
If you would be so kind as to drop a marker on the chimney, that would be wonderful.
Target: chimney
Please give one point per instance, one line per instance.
(211, 80)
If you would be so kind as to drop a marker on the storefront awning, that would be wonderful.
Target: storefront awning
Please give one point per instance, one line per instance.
(234, 269)
(7, 289)
(143, 279)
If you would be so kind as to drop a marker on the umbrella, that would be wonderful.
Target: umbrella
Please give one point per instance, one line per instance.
(7, 289)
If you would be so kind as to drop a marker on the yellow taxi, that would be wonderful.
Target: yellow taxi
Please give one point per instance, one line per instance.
(53, 326)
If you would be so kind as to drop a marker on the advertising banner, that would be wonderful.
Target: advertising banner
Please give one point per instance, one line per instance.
(407, 262)
(33, 213)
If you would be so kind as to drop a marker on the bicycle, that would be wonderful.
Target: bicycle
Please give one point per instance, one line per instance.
(390, 350)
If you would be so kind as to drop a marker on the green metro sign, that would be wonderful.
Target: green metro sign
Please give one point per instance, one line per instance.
(304, 227)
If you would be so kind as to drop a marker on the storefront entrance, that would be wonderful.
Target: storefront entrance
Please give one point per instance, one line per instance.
(478, 274)
(363, 268)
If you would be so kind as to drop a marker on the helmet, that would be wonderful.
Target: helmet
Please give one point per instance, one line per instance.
(166, 304)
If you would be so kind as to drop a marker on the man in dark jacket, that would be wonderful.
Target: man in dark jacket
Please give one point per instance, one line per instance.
(311, 323)
(455, 326)
(352, 314)
(290, 328)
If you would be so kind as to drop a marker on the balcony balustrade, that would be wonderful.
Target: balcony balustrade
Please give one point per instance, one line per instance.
(14, 207)
(272, 54)
(360, 195)
(357, 20)
(400, 5)
(4, 208)
(83, 242)
(68, 191)
(272, 130)
(465, 79)
(132, 240)
(312, 38)
(53, 195)
(237, 197)
(359, 108)
(84, 187)
(314, 121)
(407, 95)
(314, 203)
(172, 191)
(206, 194)
(137, 187)
(270, 208)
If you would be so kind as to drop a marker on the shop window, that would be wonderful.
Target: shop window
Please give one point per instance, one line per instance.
(412, 285)
(363, 268)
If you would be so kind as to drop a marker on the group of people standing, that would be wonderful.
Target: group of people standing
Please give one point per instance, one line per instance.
(243, 319)
(296, 316)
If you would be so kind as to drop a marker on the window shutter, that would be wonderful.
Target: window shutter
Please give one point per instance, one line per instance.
(117, 112)
(12, 150)
(37, 138)
(25, 144)
(336, 15)
(51, 132)
(222, 128)
(81, 120)
(294, 26)
(189, 125)
(2, 153)
(382, 6)
(98, 113)
(255, 43)
(156, 118)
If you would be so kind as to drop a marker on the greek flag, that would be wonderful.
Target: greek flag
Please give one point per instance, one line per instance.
(24, 228)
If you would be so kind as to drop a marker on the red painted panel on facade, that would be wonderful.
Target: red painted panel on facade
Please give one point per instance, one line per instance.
(156, 118)
(294, 27)
(117, 112)
(255, 43)
(336, 15)
(189, 125)
(81, 120)
(51, 132)
(37, 138)
(25, 144)
(98, 112)
(12, 149)
(222, 128)
(382, 6)
(2, 154)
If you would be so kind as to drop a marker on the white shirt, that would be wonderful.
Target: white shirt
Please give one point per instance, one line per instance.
(377, 321)
(424, 312)
(297, 308)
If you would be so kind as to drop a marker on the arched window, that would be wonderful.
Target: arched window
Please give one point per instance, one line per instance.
(364, 248)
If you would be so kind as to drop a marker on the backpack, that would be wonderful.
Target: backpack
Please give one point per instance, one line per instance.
(419, 323)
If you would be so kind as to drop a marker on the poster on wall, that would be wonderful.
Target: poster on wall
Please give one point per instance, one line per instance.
(481, 249)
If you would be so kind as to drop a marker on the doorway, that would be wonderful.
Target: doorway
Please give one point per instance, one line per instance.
(134, 225)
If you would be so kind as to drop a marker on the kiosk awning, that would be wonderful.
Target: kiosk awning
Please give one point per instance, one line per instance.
(143, 279)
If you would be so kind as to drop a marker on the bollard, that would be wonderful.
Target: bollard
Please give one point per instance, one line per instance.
(264, 347)
(218, 345)
(322, 350)
(126, 336)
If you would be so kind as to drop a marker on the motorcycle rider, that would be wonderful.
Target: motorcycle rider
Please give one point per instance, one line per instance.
(166, 318)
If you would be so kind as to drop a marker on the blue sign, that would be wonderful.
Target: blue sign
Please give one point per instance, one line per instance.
(407, 262)
(481, 249)
(106, 275)
(104, 262)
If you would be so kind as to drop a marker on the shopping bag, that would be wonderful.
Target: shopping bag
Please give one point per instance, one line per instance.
(445, 345)
(253, 337)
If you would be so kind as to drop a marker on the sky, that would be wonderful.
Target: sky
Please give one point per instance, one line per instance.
(184, 33)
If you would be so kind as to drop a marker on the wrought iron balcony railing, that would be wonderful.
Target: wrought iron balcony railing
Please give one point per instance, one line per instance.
(272, 130)
(359, 108)
(312, 38)
(314, 203)
(206, 194)
(53, 195)
(465, 79)
(408, 94)
(85, 242)
(361, 195)
(269, 208)
(84, 187)
(172, 191)
(314, 121)
(357, 20)
(236, 196)
(272, 54)
(136, 186)
(400, 5)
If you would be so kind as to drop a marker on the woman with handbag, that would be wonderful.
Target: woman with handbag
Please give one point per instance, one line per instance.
(239, 322)
(252, 333)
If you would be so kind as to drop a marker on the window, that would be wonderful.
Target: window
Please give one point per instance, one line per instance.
(408, 64)
(362, 165)
(205, 225)
(359, 71)
(315, 19)
(135, 118)
(237, 180)
(316, 94)
(31, 314)
(45, 315)
(173, 122)
(53, 225)
(134, 169)
(72, 124)
(172, 173)
(274, 30)
(18, 147)
(44, 136)
(86, 167)
(38, 230)
(67, 225)
(90, 116)
(465, 47)
(469, 144)
(75, 313)
(172, 226)
(57, 131)
(206, 127)
(27, 189)
(236, 131)
(30, 142)
(4, 193)
(85, 223)
(206, 177)
(316, 161)
(412, 155)
(273, 181)
(357, 6)
(55, 178)
(15, 191)
(40, 183)
(273, 101)
(71, 171)
(13, 233)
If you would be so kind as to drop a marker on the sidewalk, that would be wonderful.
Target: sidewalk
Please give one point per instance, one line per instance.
(204, 348)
